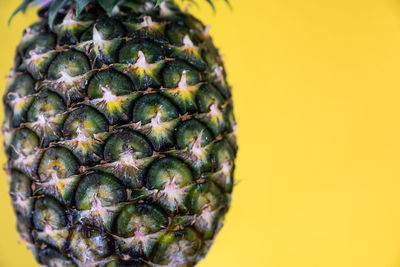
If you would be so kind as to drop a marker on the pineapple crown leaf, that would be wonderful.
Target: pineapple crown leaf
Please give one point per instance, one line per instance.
(56, 6)
(21, 8)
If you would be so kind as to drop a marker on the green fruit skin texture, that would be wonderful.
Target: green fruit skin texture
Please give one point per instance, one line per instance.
(120, 137)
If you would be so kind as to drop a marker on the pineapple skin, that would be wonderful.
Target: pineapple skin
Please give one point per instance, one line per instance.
(120, 137)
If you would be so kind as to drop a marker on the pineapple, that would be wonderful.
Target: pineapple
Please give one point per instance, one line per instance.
(120, 135)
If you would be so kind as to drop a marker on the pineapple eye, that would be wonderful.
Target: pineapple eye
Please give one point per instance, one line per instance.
(49, 214)
(145, 218)
(20, 192)
(51, 257)
(140, 69)
(109, 80)
(207, 96)
(222, 152)
(90, 244)
(146, 28)
(58, 171)
(207, 201)
(85, 119)
(223, 159)
(68, 75)
(176, 34)
(129, 53)
(211, 104)
(158, 116)
(71, 28)
(23, 149)
(127, 154)
(107, 29)
(103, 41)
(150, 106)
(19, 97)
(43, 43)
(71, 63)
(187, 50)
(144, 222)
(23, 85)
(173, 72)
(185, 242)
(172, 179)
(80, 129)
(188, 132)
(194, 139)
(99, 190)
(21, 184)
(46, 116)
(126, 142)
(182, 83)
(57, 163)
(112, 93)
(48, 103)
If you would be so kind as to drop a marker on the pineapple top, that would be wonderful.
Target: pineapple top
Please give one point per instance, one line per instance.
(55, 6)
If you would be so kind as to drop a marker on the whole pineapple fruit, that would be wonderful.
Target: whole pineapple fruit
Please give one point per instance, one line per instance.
(119, 133)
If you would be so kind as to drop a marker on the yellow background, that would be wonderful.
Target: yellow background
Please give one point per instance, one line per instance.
(317, 95)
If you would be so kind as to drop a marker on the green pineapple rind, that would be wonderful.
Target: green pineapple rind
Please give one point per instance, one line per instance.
(120, 137)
